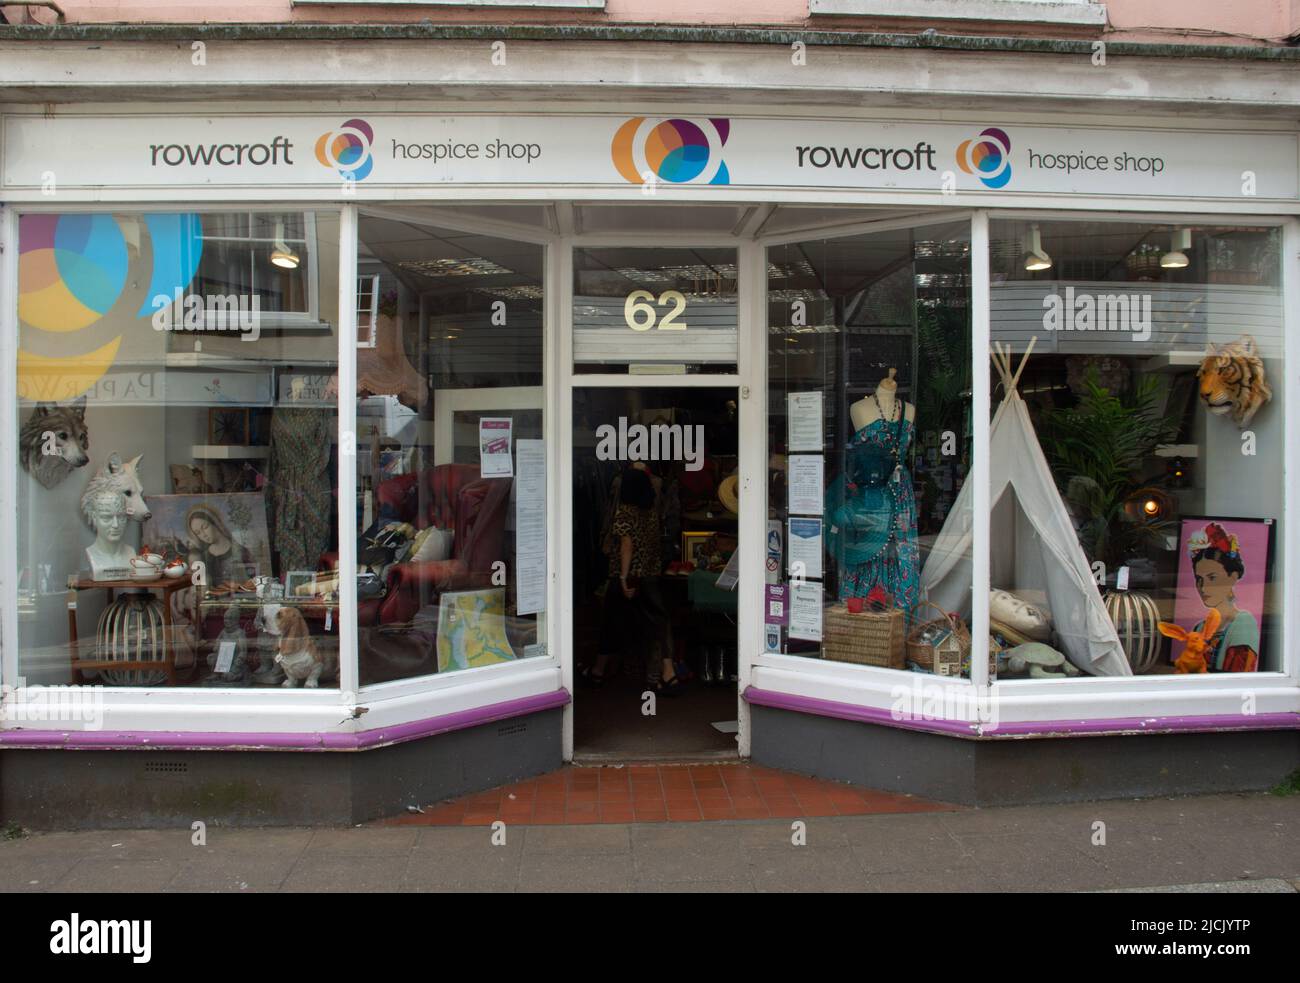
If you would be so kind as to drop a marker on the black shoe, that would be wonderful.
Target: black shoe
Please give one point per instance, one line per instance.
(671, 687)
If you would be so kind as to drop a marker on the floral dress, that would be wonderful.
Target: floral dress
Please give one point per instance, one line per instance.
(299, 487)
(872, 531)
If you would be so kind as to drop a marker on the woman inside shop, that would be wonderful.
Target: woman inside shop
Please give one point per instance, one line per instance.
(635, 615)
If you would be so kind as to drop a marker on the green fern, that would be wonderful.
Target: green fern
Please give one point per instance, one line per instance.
(1098, 450)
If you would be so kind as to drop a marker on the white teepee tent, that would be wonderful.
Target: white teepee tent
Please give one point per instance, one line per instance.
(1032, 541)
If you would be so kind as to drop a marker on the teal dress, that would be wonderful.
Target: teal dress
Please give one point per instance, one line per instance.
(871, 510)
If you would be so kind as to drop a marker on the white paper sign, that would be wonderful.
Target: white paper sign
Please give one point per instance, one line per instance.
(494, 447)
(806, 611)
(530, 527)
(804, 481)
(805, 548)
(804, 422)
(225, 656)
(730, 575)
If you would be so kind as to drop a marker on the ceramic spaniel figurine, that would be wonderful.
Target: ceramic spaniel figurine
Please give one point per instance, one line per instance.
(296, 654)
(1198, 643)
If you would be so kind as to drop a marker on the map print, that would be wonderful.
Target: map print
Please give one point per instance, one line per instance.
(472, 629)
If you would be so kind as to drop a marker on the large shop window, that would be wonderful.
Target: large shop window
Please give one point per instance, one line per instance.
(870, 444)
(1137, 451)
(450, 464)
(177, 397)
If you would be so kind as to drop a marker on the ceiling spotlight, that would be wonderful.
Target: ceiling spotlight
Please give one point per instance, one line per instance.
(281, 255)
(1176, 258)
(1034, 258)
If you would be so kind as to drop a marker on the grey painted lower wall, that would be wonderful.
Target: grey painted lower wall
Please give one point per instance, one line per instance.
(134, 789)
(1010, 772)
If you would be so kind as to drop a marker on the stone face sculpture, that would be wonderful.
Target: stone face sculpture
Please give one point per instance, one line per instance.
(109, 556)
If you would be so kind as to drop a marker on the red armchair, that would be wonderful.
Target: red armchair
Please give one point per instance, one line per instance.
(447, 496)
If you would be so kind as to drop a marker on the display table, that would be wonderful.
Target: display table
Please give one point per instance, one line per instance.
(165, 587)
(704, 594)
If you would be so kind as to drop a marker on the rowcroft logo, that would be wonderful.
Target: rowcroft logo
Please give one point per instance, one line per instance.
(348, 150)
(917, 158)
(1098, 312)
(658, 442)
(988, 157)
(679, 151)
(221, 154)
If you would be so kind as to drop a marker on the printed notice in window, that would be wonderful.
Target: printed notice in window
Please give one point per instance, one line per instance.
(530, 526)
(804, 422)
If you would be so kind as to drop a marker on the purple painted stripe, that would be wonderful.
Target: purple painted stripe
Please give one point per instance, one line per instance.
(216, 741)
(1031, 728)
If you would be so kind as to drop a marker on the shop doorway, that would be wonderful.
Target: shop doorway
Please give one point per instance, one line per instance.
(657, 467)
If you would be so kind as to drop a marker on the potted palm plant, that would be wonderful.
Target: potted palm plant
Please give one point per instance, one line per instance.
(1098, 450)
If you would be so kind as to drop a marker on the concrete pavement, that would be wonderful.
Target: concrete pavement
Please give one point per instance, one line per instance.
(1246, 842)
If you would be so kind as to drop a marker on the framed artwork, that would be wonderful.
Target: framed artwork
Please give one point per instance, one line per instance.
(227, 533)
(228, 426)
(472, 629)
(695, 547)
(1226, 564)
(300, 583)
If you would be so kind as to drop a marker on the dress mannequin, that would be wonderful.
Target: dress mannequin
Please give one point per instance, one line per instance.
(865, 411)
(109, 556)
(871, 504)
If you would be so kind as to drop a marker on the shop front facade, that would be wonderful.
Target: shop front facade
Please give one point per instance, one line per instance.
(933, 377)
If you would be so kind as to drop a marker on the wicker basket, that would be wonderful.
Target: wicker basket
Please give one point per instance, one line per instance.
(868, 639)
(922, 653)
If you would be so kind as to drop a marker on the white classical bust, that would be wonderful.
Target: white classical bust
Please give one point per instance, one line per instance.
(109, 555)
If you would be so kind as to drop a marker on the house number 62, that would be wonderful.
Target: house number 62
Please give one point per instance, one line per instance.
(640, 315)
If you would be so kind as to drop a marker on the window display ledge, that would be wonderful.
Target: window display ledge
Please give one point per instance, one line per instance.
(213, 741)
(1022, 729)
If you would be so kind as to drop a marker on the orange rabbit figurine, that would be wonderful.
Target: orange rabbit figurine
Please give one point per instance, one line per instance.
(1198, 642)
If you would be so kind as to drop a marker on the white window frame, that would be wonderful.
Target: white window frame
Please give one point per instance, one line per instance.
(1091, 699)
(1079, 12)
(342, 710)
(241, 712)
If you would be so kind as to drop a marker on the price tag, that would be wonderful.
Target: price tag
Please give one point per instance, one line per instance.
(329, 618)
(225, 656)
(1121, 579)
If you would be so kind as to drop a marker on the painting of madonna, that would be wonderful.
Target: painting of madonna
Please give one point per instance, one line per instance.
(1227, 561)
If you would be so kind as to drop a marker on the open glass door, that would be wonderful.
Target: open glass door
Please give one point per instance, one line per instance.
(654, 513)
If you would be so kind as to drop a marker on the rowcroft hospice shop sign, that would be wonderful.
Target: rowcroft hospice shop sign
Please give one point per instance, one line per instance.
(371, 155)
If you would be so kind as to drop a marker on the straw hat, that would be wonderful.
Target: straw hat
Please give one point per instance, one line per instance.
(729, 494)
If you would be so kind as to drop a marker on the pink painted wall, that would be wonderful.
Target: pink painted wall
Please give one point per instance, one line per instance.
(1182, 21)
